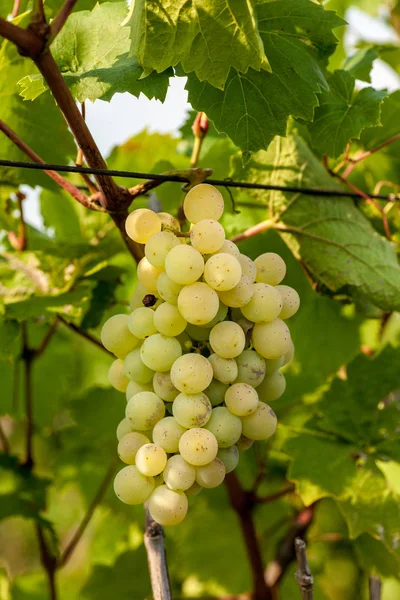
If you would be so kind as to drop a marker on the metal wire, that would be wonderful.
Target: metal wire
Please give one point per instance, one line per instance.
(227, 183)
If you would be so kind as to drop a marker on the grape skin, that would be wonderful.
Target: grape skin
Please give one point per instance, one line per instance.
(248, 267)
(141, 224)
(158, 246)
(159, 352)
(168, 289)
(272, 387)
(230, 458)
(207, 236)
(141, 322)
(222, 271)
(271, 268)
(131, 486)
(116, 337)
(198, 303)
(265, 304)
(148, 275)
(227, 339)
(164, 387)
(224, 369)
(225, 426)
(251, 368)
(129, 445)
(116, 375)
(191, 410)
(290, 301)
(241, 399)
(144, 410)
(184, 264)
(168, 320)
(167, 507)
(198, 446)
(203, 201)
(135, 368)
(191, 373)
(151, 459)
(271, 340)
(167, 433)
(134, 388)
(179, 475)
(240, 295)
(216, 392)
(211, 475)
(124, 427)
(261, 424)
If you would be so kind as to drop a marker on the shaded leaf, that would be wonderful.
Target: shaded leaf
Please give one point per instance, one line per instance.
(360, 64)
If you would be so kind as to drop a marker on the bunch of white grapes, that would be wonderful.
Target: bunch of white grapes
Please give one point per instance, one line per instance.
(198, 356)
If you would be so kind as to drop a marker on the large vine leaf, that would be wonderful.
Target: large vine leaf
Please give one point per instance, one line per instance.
(255, 106)
(331, 236)
(92, 52)
(206, 37)
(342, 115)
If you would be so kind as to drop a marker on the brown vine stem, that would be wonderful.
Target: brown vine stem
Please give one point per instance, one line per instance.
(4, 440)
(18, 241)
(272, 497)
(48, 561)
(199, 128)
(66, 185)
(303, 574)
(156, 558)
(27, 357)
(259, 228)
(356, 159)
(243, 503)
(59, 20)
(375, 588)
(16, 7)
(65, 556)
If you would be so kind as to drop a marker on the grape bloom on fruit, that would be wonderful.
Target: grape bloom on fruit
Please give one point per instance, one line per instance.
(199, 355)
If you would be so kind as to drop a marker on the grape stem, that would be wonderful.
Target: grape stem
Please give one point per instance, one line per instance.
(156, 558)
(375, 588)
(303, 574)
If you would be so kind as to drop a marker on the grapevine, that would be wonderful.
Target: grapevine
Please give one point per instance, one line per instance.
(198, 357)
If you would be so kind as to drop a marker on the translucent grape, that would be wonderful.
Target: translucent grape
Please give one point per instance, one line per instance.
(222, 271)
(261, 424)
(272, 387)
(144, 410)
(141, 322)
(227, 339)
(225, 426)
(169, 320)
(128, 446)
(230, 458)
(141, 224)
(131, 486)
(198, 303)
(168, 289)
(134, 388)
(198, 446)
(159, 352)
(116, 337)
(137, 297)
(265, 304)
(244, 443)
(248, 267)
(211, 475)
(164, 387)
(169, 222)
(148, 275)
(203, 201)
(191, 373)
(179, 475)
(230, 248)
(271, 268)
(251, 368)
(167, 433)
(158, 246)
(116, 375)
(198, 333)
(151, 459)
(241, 399)
(271, 340)
(135, 368)
(207, 236)
(240, 295)
(290, 300)
(184, 264)
(216, 392)
(220, 316)
(191, 410)
(288, 356)
(224, 369)
(167, 507)
(124, 427)
(273, 364)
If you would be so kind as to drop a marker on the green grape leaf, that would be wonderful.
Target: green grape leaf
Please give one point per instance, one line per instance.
(62, 215)
(110, 580)
(373, 136)
(255, 106)
(92, 54)
(207, 38)
(342, 115)
(375, 557)
(340, 248)
(360, 64)
(35, 123)
(359, 417)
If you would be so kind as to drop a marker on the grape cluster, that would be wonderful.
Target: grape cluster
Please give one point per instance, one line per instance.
(198, 356)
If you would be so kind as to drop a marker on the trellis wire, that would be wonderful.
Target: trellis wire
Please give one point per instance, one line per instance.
(227, 183)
